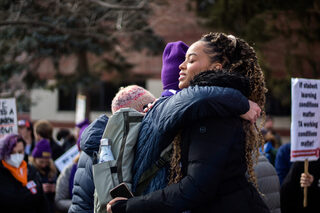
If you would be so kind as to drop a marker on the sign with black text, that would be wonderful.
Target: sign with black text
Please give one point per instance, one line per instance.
(80, 109)
(305, 137)
(67, 158)
(8, 117)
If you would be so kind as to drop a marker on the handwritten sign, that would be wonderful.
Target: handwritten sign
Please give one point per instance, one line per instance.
(8, 117)
(305, 135)
(80, 109)
(67, 158)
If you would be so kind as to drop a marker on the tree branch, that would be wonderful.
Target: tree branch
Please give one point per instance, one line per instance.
(20, 10)
(120, 7)
(58, 29)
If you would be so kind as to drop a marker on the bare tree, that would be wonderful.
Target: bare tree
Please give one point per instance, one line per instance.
(34, 30)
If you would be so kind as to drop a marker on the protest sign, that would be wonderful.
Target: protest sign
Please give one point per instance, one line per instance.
(67, 158)
(305, 143)
(305, 137)
(80, 109)
(8, 117)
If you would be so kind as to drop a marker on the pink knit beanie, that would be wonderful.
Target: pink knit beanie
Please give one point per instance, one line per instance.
(132, 97)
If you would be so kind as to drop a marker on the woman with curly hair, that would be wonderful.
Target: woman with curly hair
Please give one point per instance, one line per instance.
(212, 154)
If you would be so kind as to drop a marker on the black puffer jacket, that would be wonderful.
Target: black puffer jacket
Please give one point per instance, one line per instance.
(16, 198)
(213, 166)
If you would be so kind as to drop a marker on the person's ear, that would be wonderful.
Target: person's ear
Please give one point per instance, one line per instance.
(215, 66)
(37, 137)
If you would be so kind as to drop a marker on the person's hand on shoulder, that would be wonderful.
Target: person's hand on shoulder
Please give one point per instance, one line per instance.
(253, 113)
(149, 106)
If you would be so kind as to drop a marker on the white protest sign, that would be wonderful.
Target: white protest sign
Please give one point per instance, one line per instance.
(67, 158)
(305, 135)
(8, 117)
(80, 109)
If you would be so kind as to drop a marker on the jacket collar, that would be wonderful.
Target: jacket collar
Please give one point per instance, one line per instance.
(223, 78)
(90, 139)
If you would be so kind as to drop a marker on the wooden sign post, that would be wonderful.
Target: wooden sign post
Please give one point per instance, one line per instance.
(305, 189)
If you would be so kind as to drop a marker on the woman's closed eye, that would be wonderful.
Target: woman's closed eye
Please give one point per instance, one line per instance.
(191, 59)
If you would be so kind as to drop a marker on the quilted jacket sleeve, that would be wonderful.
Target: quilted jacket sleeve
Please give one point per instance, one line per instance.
(268, 183)
(83, 189)
(197, 102)
(62, 197)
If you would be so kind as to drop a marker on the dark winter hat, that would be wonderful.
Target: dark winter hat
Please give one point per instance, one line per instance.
(42, 149)
(173, 55)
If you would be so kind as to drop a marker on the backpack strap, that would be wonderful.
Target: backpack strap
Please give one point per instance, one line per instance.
(94, 158)
(149, 174)
(127, 120)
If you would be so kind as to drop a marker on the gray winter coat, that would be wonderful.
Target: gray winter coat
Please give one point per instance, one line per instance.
(268, 183)
(62, 198)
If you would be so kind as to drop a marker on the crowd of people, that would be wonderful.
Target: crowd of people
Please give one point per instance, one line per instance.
(213, 93)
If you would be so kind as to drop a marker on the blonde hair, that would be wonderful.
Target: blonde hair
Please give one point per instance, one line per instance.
(53, 169)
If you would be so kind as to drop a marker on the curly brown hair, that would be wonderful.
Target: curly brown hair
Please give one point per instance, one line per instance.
(235, 55)
(175, 169)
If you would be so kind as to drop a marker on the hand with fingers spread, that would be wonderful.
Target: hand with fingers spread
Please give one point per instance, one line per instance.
(253, 113)
(306, 180)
